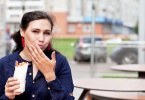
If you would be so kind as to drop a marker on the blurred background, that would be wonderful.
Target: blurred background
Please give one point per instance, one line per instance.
(116, 28)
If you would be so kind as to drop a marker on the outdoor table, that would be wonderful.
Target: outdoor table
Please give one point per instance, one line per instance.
(140, 68)
(110, 95)
(109, 84)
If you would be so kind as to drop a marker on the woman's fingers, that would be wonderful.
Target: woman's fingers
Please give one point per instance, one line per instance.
(17, 93)
(36, 51)
(16, 63)
(11, 85)
(33, 54)
(40, 51)
(12, 82)
(53, 56)
(12, 79)
(53, 59)
(33, 59)
(12, 88)
(39, 58)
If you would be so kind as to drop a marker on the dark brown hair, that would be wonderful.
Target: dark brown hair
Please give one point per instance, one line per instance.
(26, 19)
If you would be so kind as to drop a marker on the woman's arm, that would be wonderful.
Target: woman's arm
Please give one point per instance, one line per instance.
(7, 87)
(3, 97)
(56, 72)
(62, 87)
(2, 84)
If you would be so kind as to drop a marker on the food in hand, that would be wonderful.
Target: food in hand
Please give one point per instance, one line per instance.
(20, 74)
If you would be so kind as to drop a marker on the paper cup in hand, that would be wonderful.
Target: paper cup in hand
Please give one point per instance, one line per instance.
(20, 74)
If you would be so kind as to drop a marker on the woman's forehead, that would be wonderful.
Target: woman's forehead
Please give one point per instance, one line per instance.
(41, 23)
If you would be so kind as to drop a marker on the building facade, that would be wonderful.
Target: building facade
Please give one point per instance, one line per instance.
(2, 29)
(73, 17)
(16, 8)
(117, 17)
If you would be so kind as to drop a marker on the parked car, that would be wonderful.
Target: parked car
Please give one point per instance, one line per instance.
(83, 51)
(123, 54)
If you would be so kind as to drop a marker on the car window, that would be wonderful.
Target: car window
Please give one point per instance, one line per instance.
(88, 40)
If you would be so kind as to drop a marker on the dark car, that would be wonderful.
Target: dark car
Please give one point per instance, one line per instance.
(124, 54)
(83, 51)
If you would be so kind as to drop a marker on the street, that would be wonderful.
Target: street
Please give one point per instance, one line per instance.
(82, 70)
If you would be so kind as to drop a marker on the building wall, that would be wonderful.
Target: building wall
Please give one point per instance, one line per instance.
(70, 13)
(56, 5)
(78, 29)
(60, 27)
(124, 10)
(130, 12)
(16, 8)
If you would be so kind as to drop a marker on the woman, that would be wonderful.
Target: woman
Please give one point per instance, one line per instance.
(51, 78)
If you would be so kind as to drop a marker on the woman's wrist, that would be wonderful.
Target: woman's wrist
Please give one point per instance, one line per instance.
(10, 98)
(50, 77)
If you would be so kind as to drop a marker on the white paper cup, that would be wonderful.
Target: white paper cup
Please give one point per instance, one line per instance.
(20, 73)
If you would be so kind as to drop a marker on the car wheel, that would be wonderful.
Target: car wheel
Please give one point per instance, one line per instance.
(102, 59)
(75, 59)
(129, 58)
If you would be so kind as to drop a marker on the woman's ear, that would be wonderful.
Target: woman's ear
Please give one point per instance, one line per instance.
(21, 32)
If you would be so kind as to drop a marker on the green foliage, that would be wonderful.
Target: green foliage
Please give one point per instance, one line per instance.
(64, 46)
(136, 29)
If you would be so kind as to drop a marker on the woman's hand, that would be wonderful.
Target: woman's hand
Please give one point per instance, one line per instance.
(43, 63)
(11, 85)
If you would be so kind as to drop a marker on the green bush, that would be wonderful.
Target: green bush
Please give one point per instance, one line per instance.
(64, 46)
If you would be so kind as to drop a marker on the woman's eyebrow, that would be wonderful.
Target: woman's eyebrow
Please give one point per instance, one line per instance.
(35, 29)
(39, 29)
(48, 30)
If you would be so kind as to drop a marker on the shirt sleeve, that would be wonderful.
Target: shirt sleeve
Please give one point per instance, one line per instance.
(62, 87)
(2, 83)
(3, 97)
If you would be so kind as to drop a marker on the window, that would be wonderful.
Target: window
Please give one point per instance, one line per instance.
(87, 28)
(88, 39)
(25, 0)
(15, 16)
(71, 28)
(15, 8)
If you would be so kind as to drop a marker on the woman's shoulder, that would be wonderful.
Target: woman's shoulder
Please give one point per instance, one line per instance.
(60, 57)
(9, 57)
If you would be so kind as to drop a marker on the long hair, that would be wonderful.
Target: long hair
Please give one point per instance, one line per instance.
(26, 19)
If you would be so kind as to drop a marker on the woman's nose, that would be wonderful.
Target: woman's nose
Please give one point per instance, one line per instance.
(41, 37)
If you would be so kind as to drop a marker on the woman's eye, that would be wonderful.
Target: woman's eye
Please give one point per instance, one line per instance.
(35, 32)
(47, 33)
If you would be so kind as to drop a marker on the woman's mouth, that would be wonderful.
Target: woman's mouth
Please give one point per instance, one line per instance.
(41, 46)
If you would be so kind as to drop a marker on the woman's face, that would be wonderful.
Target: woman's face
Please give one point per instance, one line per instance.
(38, 32)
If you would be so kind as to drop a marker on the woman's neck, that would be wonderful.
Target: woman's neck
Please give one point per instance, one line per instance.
(25, 54)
